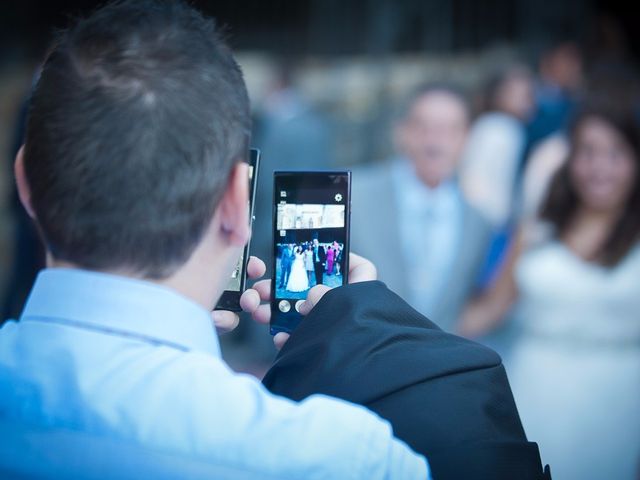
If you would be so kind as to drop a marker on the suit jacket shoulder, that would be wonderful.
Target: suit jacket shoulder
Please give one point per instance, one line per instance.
(447, 397)
(374, 224)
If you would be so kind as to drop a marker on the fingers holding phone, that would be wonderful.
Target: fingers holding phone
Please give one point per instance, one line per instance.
(360, 270)
(252, 301)
(227, 320)
(311, 250)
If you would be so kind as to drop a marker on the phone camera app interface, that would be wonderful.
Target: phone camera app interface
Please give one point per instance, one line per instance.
(310, 233)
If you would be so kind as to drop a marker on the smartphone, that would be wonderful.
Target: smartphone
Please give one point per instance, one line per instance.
(311, 214)
(230, 299)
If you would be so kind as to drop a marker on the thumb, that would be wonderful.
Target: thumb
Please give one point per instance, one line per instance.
(313, 297)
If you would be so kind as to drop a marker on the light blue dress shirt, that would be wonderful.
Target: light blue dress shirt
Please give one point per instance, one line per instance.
(133, 360)
(430, 222)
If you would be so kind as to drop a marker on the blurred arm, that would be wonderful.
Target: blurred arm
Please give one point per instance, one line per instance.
(489, 310)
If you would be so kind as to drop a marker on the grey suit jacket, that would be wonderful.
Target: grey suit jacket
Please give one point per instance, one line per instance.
(375, 235)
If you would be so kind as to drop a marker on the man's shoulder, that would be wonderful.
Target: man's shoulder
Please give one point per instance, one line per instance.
(191, 402)
(8, 330)
(372, 185)
(370, 178)
(219, 406)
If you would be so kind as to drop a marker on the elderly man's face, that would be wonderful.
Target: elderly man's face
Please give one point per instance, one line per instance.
(432, 136)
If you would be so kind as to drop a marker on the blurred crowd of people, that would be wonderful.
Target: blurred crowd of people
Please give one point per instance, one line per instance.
(518, 224)
(515, 220)
(304, 265)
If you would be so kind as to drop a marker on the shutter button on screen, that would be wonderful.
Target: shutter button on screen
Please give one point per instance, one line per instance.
(298, 304)
(284, 306)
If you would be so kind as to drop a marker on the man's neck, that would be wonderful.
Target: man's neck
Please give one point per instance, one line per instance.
(430, 182)
(193, 281)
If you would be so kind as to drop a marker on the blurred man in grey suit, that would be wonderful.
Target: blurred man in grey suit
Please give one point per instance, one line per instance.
(409, 215)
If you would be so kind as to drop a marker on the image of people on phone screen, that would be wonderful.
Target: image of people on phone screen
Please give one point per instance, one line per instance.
(310, 251)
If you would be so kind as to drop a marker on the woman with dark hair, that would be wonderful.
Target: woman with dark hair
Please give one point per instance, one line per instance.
(572, 279)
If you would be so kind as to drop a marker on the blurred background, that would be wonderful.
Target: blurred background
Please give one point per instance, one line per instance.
(333, 84)
(327, 77)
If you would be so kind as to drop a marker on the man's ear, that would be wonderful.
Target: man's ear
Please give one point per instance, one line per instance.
(234, 206)
(24, 191)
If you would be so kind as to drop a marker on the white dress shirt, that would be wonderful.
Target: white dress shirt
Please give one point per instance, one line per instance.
(430, 222)
(133, 360)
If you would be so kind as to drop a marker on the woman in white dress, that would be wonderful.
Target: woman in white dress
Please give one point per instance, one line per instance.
(308, 263)
(298, 280)
(573, 281)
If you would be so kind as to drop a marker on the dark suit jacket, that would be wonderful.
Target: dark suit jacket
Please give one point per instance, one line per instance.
(322, 254)
(447, 397)
(286, 259)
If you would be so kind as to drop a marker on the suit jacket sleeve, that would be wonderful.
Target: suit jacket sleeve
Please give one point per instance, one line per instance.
(447, 397)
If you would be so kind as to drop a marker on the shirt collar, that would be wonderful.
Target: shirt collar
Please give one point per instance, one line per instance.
(119, 304)
(415, 196)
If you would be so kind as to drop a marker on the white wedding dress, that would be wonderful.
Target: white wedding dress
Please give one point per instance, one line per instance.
(298, 279)
(575, 368)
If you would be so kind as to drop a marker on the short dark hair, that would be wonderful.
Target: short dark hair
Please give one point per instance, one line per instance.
(139, 114)
(488, 101)
(428, 88)
(561, 204)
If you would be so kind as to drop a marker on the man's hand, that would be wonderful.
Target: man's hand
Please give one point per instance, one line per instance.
(360, 270)
(226, 321)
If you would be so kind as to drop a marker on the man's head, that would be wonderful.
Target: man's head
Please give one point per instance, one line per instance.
(561, 65)
(432, 131)
(135, 131)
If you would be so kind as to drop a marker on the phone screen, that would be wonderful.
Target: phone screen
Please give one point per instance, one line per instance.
(230, 299)
(311, 239)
